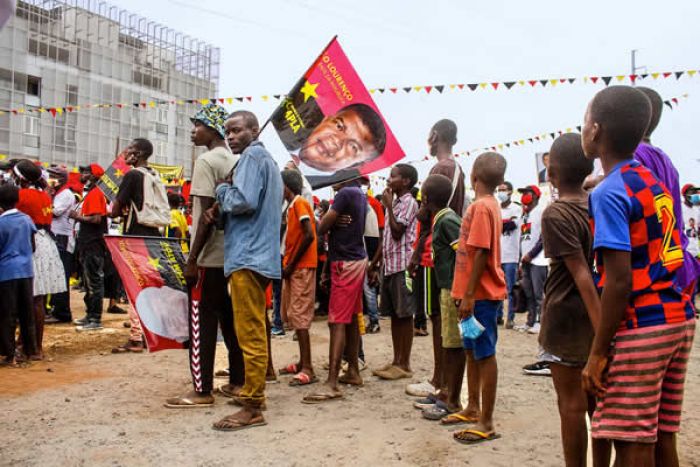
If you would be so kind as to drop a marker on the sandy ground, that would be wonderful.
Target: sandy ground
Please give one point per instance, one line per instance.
(85, 406)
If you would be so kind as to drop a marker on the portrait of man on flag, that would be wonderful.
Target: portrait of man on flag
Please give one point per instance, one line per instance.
(330, 125)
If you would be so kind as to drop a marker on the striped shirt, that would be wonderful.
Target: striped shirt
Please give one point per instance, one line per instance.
(397, 253)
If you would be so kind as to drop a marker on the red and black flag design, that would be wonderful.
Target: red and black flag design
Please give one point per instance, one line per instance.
(111, 180)
(152, 271)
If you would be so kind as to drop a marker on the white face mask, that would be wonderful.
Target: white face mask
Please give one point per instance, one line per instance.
(502, 196)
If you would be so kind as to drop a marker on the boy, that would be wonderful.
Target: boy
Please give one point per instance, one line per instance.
(16, 273)
(643, 341)
(346, 266)
(436, 192)
(571, 306)
(397, 293)
(479, 288)
(299, 275)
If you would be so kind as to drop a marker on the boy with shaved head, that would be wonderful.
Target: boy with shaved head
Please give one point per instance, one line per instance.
(639, 355)
(479, 288)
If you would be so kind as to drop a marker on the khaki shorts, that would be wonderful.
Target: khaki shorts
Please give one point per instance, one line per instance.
(298, 296)
(451, 338)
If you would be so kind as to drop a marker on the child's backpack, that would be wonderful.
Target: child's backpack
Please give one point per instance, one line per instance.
(155, 211)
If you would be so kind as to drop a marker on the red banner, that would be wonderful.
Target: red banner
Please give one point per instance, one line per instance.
(330, 124)
(151, 269)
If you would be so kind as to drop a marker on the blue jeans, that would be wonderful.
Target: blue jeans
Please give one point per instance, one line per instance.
(370, 293)
(277, 304)
(511, 272)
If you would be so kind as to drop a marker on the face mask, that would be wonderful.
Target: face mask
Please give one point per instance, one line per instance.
(526, 199)
(502, 196)
(695, 199)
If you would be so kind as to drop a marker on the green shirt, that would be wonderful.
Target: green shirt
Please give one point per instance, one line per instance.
(446, 226)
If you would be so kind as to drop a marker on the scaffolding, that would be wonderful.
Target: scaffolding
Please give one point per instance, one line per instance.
(74, 52)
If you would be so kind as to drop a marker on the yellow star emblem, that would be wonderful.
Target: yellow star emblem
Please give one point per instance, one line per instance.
(155, 262)
(118, 173)
(309, 90)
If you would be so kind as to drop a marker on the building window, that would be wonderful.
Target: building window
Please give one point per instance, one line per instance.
(71, 94)
(160, 150)
(32, 125)
(34, 86)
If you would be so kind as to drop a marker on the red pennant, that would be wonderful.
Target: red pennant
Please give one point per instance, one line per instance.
(53, 111)
(428, 89)
(667, 74)
(118, 105)
(69, 109)
(495, 85)
(562, 80)
(221, 100)
(633, 78)
(249, 98)
(143, 104)
(532, 83)
(674, 100)
(594, 79)
(393, 90)
(537, 138)
(460, 86)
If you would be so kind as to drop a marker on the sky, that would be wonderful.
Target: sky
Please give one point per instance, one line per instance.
(267, 45)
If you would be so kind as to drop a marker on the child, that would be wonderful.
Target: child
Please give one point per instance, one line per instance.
(299, 275)
(16, 272)
(479, 287)
(641, 347)
(397, 294)
(436, 192)
(571, 307)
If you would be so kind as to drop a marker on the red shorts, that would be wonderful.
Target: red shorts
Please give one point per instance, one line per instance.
(347, 279)
(644, 383)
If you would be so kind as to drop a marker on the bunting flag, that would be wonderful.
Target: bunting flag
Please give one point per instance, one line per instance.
(428, 89)
(330, 125)
(112, 178)
(151, 269)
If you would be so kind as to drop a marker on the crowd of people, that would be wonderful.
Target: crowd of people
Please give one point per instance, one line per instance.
(605, 267)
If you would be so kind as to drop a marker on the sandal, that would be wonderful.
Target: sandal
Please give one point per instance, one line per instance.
(302, 379)
(225, 391)
(321, 397)
(231, 423)
(185, 403)
(130, 346)
(474, 436)
(222, 373)
(458, 418)
(291, 369)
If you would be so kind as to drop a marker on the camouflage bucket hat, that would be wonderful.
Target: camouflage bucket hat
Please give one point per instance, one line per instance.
(212, 116)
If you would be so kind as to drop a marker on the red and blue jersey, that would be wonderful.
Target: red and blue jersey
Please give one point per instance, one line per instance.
(631, 210)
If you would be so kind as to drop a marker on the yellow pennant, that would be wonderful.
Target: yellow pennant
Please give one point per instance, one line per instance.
(521, 141)
(45, 164)
(265, 98)
(59, 110)
(483, 85)
(204, 101)
(42, 110)
(568, 130)
(453, 86)
(500, 146)
(151, 104)
(371, 91)
(655, 75)
(691, 73)
(553, 82)
(620, 78)
(521, 83)
(417, 88)
(229, 100)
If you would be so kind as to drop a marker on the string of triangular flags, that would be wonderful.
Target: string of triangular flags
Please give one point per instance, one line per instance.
(551, 135)
(428, 89)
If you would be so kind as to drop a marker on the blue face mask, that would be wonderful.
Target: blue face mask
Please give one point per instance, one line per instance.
(695, 199)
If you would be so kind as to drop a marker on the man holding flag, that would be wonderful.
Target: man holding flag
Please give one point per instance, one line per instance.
(250, 204)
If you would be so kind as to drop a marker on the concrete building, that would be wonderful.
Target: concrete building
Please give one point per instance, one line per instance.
(75, 52)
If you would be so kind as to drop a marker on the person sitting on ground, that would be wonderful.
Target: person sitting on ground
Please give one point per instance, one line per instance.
(480, 288)
(16, 271)
(397, 297)
(299, 274)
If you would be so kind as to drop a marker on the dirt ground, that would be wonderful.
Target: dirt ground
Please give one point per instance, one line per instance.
(85, 406)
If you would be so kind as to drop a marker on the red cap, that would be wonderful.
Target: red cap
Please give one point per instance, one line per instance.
(96, 170)
(533, 188)
(688, 186)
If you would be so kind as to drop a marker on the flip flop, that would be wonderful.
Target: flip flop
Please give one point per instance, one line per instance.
(184, 403)
(321, 397)
(302, 379)
(222, 373)
(457, 419)
(476, 436)
(291, 369)
(226, 392)
(256, 421)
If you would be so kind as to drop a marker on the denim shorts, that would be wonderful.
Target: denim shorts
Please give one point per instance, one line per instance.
(485, 312)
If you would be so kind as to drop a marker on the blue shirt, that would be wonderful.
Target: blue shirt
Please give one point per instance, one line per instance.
(16, 231)
(252, 213)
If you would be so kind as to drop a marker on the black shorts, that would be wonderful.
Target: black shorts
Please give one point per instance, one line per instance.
(395, 298)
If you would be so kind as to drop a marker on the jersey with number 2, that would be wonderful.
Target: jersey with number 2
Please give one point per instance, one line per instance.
(631, 210)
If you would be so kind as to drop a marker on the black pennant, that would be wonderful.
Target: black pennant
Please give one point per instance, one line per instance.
(668, 103)
(578, 127)
(571, 80)
(530, 140)
(136, 104)
(440, 88)
(239, 99)
(679, 74)
(472, 86)
(277, 96)
(509, 84)
(408, 89)
(544, 82)
(606, 79)
(553, 135)
(644, 75)
(507, 145)
(381, 90)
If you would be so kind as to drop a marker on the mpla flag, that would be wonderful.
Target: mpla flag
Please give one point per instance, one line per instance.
(330, 124)
(151, 269)
(112, 178)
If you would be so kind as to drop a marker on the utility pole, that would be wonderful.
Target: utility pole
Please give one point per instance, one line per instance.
(634, 64)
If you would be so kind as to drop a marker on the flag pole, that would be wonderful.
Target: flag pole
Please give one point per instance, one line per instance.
(313, 64)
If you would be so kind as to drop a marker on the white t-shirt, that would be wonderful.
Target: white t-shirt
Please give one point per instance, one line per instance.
(371, 223)
(531, 231)
(691, 216)
(510, 241)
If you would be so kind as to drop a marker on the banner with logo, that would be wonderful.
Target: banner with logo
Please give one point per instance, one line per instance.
(111, 180)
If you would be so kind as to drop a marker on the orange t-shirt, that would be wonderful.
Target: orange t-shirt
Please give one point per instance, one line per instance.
(481, 229)
(36, 204)
(299, 210)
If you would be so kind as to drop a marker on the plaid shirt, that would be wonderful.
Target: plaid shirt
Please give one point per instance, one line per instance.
(632, 211)
(397, 253)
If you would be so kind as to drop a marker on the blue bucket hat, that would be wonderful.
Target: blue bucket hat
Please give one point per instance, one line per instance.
(212, 116)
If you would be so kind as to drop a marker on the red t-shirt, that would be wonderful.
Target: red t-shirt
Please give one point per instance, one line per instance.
(378, 209)
(36, 204)
(94, 203)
